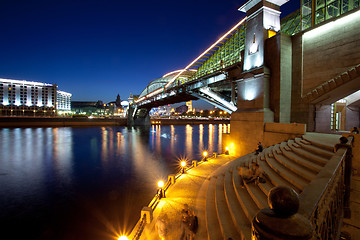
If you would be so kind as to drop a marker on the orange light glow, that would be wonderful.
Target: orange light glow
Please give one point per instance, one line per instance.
(205, 154)
(123, 238)
(160, 184)
(183, 164)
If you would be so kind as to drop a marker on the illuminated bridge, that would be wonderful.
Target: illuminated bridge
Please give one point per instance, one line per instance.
(304, 68)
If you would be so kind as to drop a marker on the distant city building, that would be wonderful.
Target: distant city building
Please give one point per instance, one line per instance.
(63, 101)
(26, 98)
(181, 109)
(189, 105)
(99, 108)
(88, 108)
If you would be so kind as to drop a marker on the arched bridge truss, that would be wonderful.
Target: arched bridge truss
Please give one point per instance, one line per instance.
(207, 77)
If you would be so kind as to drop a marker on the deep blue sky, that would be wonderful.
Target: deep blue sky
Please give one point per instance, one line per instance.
(96, 49)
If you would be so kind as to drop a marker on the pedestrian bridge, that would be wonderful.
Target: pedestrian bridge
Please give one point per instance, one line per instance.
(294, 70)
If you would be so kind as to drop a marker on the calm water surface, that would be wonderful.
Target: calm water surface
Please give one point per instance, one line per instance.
(89, 183)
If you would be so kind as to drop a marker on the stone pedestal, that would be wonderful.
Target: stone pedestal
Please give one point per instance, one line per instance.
(148, 212)
(281, 221)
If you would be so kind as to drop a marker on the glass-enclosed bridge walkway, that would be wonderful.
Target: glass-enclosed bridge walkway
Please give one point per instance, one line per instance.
(210, 66)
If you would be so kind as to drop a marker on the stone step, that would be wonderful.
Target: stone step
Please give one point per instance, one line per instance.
(258, 196)
(269, 152)
(308, 155)
(239, 218)
(212, 222)
(322, 145)
(295, 168)
(305, 141)
(276, 149)
(226, 223)
(247, 204)
(286, 174)
(266, 187)
(314, 149)
(274, 177)
(311, 166)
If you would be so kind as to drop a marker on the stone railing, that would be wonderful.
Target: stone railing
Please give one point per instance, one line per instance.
(317, 212)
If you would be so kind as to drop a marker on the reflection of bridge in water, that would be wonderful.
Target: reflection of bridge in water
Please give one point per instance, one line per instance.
(279, 80)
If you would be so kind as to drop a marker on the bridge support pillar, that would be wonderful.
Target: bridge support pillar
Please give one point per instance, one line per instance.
(247, 129)
(138, 116)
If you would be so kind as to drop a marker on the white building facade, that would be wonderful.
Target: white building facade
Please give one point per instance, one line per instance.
(26, 98)
(63, 101)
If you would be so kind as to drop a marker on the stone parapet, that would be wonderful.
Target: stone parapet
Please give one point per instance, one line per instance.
(290, 128)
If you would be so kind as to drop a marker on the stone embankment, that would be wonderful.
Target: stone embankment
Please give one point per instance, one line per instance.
(59, 122)
(94, 122)
(224, 206)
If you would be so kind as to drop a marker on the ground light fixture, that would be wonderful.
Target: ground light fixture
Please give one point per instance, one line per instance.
(183, 165)
(227, 151)
(205, 153)
(161, 192)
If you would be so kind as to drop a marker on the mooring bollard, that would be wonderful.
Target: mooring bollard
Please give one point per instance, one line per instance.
(214, 155)
(194, 163)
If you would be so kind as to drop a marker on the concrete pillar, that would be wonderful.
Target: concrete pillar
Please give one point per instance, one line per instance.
(148, 214)
(247, 123)
(323, 118)
(138, 116)
(171, 178)
(194, 163)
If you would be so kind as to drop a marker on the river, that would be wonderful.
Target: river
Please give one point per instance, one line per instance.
(89, 183)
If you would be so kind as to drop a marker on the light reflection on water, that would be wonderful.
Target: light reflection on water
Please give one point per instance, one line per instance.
(88, 183)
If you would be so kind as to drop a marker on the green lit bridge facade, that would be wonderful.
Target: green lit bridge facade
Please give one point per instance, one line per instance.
(268, 66)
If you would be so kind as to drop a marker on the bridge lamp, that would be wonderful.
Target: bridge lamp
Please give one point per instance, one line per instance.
(183, 165)
(123, 238)
(161, 192)
(227, 151)
(205, 153)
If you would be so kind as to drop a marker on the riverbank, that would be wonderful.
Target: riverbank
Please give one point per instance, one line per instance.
(59, 122)
(184, 121)
(94, 122)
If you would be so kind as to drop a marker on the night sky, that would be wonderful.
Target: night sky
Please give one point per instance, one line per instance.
(98, 49)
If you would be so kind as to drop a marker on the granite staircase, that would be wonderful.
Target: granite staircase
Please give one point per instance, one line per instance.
(231, 205)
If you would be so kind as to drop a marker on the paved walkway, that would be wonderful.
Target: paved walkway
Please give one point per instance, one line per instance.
(190, 188)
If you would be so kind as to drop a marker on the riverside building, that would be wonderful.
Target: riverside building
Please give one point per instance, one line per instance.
(26, 98)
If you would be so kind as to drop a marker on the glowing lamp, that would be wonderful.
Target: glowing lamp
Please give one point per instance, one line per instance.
(160, 184)
(183, 165)
(227, 151)
(205, 155)
(160, 191)
(123, 238)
